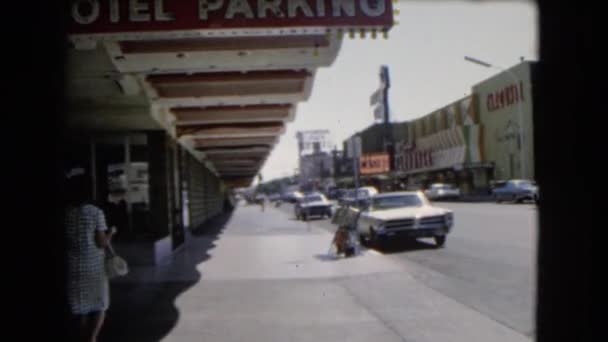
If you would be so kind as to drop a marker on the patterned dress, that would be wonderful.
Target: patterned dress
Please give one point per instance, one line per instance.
(87, 281)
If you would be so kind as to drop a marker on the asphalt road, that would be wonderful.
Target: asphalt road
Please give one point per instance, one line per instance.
(488, 262)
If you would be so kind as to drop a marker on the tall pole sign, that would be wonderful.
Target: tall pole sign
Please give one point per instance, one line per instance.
(388, 132)
(379, 100)
(355, 148)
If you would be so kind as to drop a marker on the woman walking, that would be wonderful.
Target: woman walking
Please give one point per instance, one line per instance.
(87, 237)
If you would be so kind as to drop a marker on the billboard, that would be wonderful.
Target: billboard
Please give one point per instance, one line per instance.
(374, 163)
(315, 141)
(116, 16)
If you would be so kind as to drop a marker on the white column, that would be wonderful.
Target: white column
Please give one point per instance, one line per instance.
(93, 169)
(127, 146)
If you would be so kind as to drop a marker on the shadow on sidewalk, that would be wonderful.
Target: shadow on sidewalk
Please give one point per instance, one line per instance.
(327, 257)
(145, 310)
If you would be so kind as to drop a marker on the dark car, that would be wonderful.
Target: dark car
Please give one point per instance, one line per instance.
(274, 197)
(335, 194)
(515, 190)
(314, 204)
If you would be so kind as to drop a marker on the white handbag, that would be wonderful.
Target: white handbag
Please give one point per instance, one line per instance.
(115, 265)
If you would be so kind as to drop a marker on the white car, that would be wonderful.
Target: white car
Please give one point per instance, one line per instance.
(403, 214)
(441, 191)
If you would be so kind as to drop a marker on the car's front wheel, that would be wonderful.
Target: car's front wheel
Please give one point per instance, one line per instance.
(440, 241)
(363, 240)
(374, 239)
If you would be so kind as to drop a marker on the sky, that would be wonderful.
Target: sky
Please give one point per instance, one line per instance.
(425, 55)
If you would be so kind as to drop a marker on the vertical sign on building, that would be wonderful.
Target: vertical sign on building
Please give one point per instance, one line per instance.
(377, 102)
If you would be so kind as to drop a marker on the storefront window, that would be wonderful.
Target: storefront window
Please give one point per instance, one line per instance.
(121, 182)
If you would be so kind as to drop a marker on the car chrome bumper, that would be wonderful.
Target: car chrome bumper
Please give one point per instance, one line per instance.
(316, 210)
(414, 233)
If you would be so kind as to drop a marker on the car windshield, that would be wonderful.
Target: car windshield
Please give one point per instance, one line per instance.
(363, 193)
(524, 184)
(391, 202)
(315, 198)
(442, 187)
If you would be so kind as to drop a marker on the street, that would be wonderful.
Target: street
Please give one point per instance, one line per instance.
(264, 276)
(487, 264)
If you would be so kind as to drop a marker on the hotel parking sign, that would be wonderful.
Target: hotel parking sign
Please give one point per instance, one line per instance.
(120, 16)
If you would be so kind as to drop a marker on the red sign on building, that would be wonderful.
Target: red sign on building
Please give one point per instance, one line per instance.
(374, 163)
(505, 97)
(117, 16)
(413, 160)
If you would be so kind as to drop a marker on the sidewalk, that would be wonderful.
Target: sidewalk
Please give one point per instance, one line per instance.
(262, 276)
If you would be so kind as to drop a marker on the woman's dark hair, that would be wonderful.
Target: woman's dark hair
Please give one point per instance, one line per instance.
(77, 190)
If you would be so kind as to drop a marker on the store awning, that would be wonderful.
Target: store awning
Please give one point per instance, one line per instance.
(456, 167)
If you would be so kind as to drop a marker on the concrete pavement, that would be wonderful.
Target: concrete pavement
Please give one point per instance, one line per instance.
(262, 276)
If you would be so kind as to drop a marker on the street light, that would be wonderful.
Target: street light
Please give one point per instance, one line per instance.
(522, 162)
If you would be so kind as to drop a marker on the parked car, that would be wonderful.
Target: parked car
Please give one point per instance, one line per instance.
(362, 196)
(348, 193)
(336, 193)
(260, 198)
(313, 204)
(442, 191)
(406, 214)
(274, 197)
(515, 190)
(292, 197)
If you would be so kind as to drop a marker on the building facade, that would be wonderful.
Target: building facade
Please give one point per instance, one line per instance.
(477, 139)
(373, 149)
(445, 146)
(506, 107)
